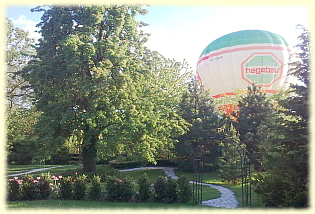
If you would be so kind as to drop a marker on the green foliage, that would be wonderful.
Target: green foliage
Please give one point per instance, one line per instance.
(61, 156)
(184, 189)
(44, 186)
(126, 164)
(21, 140)
(198, 109)
(119, 190)
(254, 109)
(13, 190)
(95, 191)
(165, 190)
(172, 194)
(94, 79)
(20, 118)
(29, 190)
(144, 191)
(282, 196)
(79, 187)
(19, 49)
(285, 138)
(230, 166)
(160, 189)
(66, 188)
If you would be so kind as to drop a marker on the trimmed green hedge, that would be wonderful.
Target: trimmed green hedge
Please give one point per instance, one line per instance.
(126, 164)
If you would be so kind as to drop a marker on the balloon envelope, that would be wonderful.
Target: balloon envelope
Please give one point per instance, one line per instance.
(237, 60)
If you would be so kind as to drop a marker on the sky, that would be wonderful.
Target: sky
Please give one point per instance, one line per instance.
(183, 32)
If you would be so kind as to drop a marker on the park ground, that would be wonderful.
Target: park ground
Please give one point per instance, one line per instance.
(208, 192)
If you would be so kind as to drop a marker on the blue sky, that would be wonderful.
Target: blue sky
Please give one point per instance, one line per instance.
(182, 32)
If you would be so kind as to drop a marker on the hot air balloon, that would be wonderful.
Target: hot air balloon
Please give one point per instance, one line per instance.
(239, 59)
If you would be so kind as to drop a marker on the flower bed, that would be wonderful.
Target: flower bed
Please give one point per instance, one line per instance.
(80, 187)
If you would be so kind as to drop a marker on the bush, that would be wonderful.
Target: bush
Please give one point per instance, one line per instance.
(66, 187)
(29, 189)
(13, 189)
(165, 190)
(106, 172)
(95, 191)
(119, 190)
(172, 195)
(160, 189)
(79, 187)
(126, 164)
(185, 191)
(44, 182)
(145, 192)
(164, 162)
(274, 191)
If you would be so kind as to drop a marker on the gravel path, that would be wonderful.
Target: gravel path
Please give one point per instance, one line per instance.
(35, 170)
(227, 198)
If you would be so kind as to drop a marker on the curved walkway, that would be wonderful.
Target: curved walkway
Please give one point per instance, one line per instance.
(227, 198)
(35, 170)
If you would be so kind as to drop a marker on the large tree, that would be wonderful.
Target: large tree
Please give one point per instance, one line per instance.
(19, 49)
(285, 139)
(254, 108)
(197, 107)
(20, 114)
(94, 79)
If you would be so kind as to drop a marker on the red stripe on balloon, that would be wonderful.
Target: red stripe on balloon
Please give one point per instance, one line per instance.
(243, 49)
(233, 93)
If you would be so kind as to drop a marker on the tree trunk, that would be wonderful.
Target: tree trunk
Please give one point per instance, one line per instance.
(89, 155)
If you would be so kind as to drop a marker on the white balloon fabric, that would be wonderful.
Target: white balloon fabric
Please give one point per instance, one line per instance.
(237, 60)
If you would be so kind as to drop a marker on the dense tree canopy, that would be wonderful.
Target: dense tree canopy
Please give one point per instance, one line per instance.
(197, 107)
(93, 78)
(254, 108)
(285, 140)
(20, 115)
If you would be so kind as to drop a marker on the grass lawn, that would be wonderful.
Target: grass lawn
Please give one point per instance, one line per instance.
(82, 204)
(213, 178)
(14, 169)
(152, 174)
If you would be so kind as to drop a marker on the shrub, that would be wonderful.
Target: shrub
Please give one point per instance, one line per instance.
(144, 193)
(160, 189)
(274, 191)
(29, 190)
(106, 172)
(13, 189)
(119, 190)
(171, 194)
(126, 164)
(95, 191)
(66, 187)
(185, 191)
(79, 187)
(43, 185)
(164, 162)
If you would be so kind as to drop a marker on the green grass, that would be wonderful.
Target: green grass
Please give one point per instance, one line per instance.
(210, 178)
(82, 204)
(213, 178)
(152, 174)
(15, 169)
(237, 189)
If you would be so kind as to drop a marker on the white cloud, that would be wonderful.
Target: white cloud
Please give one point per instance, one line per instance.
(27, 25)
